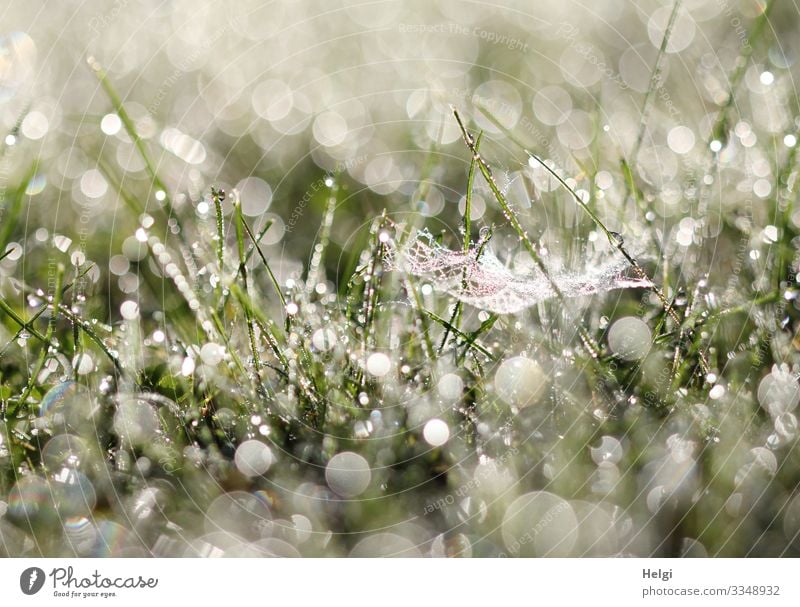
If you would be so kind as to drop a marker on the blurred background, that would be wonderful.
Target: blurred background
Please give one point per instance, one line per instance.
(270, 96)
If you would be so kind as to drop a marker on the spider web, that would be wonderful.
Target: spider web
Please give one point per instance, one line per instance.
(484, 282)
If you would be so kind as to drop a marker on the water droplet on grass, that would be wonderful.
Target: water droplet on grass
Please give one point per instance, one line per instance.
(378, 364)
(716, 392)
(630, 338)
(65, 450)
(450, 387)
(69, 405)
(540, 524)
(609, 450)
(135, 421)
(348, 474)
(110, 124)
(436, 432)
(212, 354)
(520, 382)
(30, 501)
(253, 458)
(323, 339)
(73, 493)
(779, 391)
(129, 310)
(240, 513)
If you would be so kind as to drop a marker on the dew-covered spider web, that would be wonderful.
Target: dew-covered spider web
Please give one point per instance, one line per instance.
(478, 278)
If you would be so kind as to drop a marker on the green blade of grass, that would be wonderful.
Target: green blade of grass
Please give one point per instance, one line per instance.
(218, 196)
(130, 128)
(719, 130)
(116, 185)
(248, 313)
(485, 326)
(616, 240)
(224, 335)
(86, 327)
(51, 326)
(655, 77)
(273, 344)
(469, 340)
(315, 265)
(419, 309)
(455, 318)
(263, 257)
(25, 325)
(9, 219)
(139, 144)
(512, 218)
(43, 308)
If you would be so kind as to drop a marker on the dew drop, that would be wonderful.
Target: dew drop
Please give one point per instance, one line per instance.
(348, 474)
(630, 338)
(110, 124)
(253, 458)
(378, 364)
(212, 354)
(323, 339)
(129, 310)
(436, 433)
(520, 381)
(540, 524)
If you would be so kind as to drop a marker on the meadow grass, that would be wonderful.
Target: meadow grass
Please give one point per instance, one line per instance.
(659, 447)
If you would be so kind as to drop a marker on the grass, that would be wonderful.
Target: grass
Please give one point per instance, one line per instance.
(661, 439)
